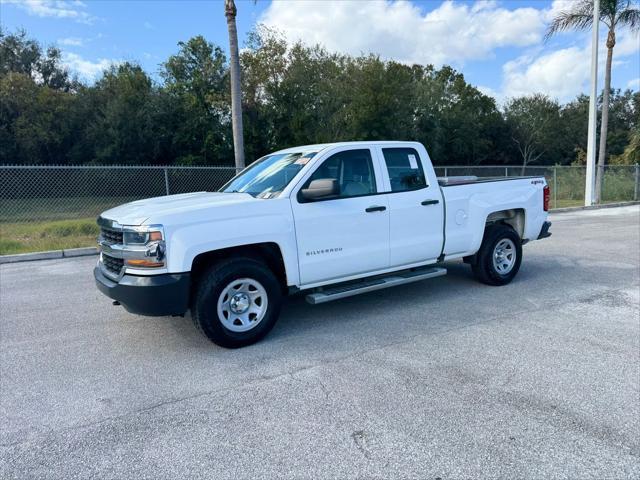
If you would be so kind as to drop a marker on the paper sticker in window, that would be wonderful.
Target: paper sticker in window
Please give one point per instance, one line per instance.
(413, 162)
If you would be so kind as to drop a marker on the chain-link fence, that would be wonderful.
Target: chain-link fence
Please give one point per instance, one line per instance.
(46, 208)
(34, 194)
(52, 208)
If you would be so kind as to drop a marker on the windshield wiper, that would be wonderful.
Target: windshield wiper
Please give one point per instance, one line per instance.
(238, 191)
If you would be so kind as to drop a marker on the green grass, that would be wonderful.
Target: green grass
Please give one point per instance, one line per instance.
(63, 208)
(567, 203)
(43, 236)
(41, 224)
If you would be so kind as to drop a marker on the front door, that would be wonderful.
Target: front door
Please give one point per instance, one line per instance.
(345, 233)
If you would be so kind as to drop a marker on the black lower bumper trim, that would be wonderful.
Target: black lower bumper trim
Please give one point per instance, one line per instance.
(544, 232)
(153, 295)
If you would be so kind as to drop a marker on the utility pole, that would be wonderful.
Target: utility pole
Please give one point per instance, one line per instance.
(590, 185)
(230, 12)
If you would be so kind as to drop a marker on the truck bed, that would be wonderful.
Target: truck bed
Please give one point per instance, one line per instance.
(469, 200)
(470, 179)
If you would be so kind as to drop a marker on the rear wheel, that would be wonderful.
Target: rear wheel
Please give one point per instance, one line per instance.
(237, 302)
(498, 260)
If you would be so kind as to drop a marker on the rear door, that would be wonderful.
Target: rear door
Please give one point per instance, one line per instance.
(416, 209)
(347, 233)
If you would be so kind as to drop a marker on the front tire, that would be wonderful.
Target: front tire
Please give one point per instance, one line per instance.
(236, 302)
(498, 260)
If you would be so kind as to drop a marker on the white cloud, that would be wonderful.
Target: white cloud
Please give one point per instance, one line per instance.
(72, 9)
(452, 33)
(559, 74)
(558, 6)
(627, 43)
(563, 73)
(71, 42)
(488, 91)
(86, 69)
(634, 84)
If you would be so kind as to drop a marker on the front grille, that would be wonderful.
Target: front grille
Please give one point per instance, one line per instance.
(111, 236)
(112, 264)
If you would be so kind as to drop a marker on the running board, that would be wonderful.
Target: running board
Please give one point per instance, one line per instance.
(363, 286)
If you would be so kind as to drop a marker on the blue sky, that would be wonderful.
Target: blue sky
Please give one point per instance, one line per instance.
(496, 44)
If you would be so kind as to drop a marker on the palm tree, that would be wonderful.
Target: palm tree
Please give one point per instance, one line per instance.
(613, 13)
(230, 12)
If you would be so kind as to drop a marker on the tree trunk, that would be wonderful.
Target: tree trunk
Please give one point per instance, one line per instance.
(236, 88)
(611, 41)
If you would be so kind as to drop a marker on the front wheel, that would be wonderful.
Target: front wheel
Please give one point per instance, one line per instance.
(498, 260)
(237, 302)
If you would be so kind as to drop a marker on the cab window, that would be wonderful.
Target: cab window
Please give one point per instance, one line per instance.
(349, 172)
(405, 169)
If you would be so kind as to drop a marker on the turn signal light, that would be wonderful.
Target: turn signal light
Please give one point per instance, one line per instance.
(546, 198)
(144, 263)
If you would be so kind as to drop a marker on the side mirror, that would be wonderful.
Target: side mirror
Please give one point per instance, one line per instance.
(320, 188)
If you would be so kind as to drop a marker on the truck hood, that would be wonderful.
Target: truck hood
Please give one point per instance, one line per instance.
(138, 212)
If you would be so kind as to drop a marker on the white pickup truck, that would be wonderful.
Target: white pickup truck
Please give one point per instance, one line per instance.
(333, 220)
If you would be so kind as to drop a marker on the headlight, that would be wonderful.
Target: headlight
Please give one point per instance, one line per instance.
(141, 235)
(145, 245)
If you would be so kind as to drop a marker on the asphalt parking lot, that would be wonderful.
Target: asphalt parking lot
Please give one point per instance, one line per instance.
(445, 378)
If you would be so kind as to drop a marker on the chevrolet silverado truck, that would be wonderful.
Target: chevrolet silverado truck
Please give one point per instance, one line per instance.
(331, 220)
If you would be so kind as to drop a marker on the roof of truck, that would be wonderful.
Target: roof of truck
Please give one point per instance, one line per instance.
(321, 146)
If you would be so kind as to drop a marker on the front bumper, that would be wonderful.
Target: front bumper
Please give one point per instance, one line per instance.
(544, 232)
(153, 295)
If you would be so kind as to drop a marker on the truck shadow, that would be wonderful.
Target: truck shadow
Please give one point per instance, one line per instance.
(385, 310)
(429, 306)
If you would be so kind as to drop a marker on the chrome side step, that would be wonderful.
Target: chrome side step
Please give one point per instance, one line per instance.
(354, 288)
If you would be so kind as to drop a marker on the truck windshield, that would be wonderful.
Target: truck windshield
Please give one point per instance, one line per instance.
(268, 176)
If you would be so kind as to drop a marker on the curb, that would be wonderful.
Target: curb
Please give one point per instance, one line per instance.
(50, 255)
(594, 207)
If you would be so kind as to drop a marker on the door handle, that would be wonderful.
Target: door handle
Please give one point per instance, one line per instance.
(430, 202)
(375, 208)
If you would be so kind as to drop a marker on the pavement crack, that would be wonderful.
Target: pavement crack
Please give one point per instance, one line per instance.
(360, 439)
(324, 389)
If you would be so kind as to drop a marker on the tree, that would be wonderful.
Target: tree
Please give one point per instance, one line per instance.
(626, 117)
(263, 65)
(124, 131)
(458, 123)
(575, 119)
(293, 94)
(380, 96)
(197, 94)
(18, 54)
(613, 13)
(230, 12)
(534, 120)
(631, 153)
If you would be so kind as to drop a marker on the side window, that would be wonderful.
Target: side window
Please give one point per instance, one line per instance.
(405, 169)
(345, 174)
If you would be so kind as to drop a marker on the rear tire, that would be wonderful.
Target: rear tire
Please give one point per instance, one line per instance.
(236, 302)
(498, 260)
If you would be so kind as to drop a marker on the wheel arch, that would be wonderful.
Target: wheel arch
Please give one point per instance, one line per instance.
(268, 253)
(514, 217)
